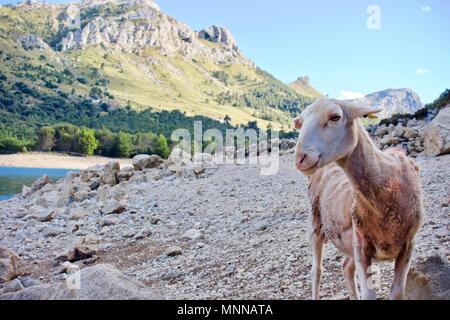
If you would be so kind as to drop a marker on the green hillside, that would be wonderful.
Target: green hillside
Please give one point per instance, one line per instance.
(141, 78)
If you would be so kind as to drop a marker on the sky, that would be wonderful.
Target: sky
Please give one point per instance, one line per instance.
(348, 48)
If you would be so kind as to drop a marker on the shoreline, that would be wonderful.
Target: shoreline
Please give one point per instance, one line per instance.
(50, 160)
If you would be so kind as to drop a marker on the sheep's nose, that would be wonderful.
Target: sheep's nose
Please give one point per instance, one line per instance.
(305, 161)
(300, 160)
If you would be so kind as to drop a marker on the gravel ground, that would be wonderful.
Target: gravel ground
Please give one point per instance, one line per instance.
(241, 235)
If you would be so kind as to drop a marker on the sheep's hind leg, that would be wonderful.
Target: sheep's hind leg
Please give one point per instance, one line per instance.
(316, 272)
(402, 264)
(348, 268)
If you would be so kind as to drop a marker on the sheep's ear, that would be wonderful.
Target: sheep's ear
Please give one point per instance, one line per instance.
(297, 123)
(353, 110)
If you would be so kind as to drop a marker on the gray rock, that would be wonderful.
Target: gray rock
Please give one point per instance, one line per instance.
(99, 282)
(437, 134)
(143, 161)
(32, 42)
(174, 251)
(10, 265)
(12, 286)
(109, 175)
(110, 220)
(113, 206)
(429, 279)
(192, 234)
(40, 183)
(49, 232)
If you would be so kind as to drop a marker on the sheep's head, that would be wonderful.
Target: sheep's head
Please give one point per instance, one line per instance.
(327, 133)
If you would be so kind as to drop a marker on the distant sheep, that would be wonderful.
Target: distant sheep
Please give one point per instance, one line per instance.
(368, 203)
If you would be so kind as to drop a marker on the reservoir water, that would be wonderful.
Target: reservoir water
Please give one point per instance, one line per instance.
(13, 178)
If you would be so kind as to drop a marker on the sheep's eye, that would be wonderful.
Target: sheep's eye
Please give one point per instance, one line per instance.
(335, 117)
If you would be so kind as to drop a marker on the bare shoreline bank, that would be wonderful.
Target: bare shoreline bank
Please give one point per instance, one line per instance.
(55, 161)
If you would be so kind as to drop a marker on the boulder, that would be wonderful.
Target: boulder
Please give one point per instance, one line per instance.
(99, 282)
(109, 175)
(180, 157)
(398, 131)
(410, 133)
(10, 265)
(143, 161)
(429, 279)
(76, 253)
(40, 183)
(389, 141)
(113, 206)
(437, 134)
(381, 131)
(125, 174)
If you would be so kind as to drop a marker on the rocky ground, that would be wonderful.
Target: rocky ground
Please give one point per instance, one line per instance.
(208, 232)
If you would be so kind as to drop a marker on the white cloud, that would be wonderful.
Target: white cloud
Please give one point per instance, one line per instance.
(425, 8)
(422, 71)
(349, 95)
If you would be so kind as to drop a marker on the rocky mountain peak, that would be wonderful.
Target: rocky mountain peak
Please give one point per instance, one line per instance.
(125, 3)
(302, 86)
(393, 101)
(217, 34)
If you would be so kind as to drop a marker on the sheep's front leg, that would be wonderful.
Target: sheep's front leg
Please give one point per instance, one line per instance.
(363, 260)
(316, 271)
(402, 264)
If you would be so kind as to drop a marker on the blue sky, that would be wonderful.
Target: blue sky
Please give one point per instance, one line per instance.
(330, 41)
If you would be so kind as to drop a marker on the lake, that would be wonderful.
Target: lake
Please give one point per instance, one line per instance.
(13, 178)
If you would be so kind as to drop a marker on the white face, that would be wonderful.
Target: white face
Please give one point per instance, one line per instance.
(327, 133)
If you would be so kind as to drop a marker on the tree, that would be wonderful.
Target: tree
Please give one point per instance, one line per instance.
(46, 138)
(123, 145)
(144, 142)
(161, 147)
(106, 141)
(88, 142)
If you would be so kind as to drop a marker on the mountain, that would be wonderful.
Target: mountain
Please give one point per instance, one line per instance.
(128, 53)
(393, 101)
(303, 87)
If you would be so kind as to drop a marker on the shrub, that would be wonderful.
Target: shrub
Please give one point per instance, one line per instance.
(88, 143)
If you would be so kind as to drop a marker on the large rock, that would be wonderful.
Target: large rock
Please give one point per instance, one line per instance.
(99, 282)
(40, 183)
(180, 157)
(112, 207)
(143, 161)
(437, 134)
(429, 279)
(109, 175)
(10, 264)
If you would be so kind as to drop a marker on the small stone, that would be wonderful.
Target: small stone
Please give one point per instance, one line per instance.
(192, 234)
(174, 251)
(110, 220)
(113, 206)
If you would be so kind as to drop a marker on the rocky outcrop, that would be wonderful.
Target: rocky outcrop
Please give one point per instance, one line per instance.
(32, 42)
(99, 282)
(10, 265)
(139, 24)
(218, 35)
(437, 134)
(429, 279)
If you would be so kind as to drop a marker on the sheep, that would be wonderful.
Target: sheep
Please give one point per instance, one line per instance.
(368, 203)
